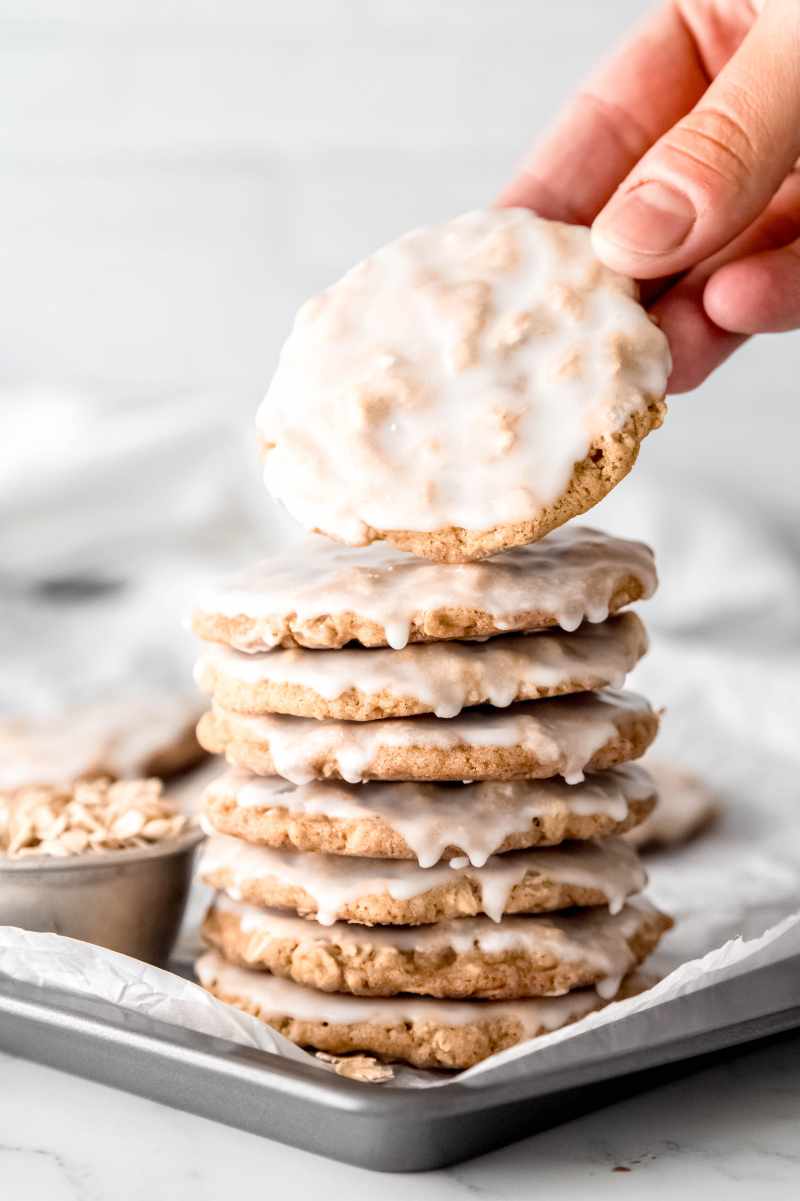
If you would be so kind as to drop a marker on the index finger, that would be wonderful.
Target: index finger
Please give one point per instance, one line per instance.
(652, 81)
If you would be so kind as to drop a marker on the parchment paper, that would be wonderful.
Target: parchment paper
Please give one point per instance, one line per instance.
(50, 959)
(733, 892)
(725, 664)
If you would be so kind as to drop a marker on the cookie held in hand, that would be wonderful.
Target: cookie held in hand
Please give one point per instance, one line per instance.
(466, 388)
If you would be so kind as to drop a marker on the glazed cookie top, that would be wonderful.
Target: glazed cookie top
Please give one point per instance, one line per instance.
(593, 933)
(686, 806)
(593, 937)
(320, 595)
(610, 868)
(274, 997)
(470, 364)
(138, 736)
(477, 818)
(556, 736)
(438, 677)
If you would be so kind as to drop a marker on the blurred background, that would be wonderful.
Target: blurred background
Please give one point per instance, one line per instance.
(175, 177)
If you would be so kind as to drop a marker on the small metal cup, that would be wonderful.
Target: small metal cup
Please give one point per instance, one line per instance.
(130, 901)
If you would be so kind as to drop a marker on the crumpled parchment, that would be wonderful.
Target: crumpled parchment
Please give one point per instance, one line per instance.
(725, 664)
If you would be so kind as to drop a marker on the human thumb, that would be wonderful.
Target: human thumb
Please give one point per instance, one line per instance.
(712, 174)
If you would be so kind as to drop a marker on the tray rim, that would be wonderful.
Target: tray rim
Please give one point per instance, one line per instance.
(31, 864)
(101, 1021)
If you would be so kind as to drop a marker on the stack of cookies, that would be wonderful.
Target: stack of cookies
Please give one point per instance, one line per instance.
(417, 852)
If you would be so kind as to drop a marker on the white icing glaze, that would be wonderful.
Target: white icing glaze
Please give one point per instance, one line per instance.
(430, 817)
(592, 936)
(572, 575)
(611, 867)
(685, 804)
(117, 737)
(472, 364)
(573, 727)
(277, 997)
(608, 988)
(444, 677)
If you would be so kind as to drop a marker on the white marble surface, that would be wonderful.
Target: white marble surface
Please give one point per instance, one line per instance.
(730, 1131)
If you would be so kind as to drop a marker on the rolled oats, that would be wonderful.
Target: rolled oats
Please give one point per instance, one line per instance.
(87, 816)
(358, 1067)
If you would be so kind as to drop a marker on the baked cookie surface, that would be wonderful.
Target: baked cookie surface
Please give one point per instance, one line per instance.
(421, 1031)
(426, 822)
(686, 807)
(140, 735)
(560, 736)
(320, 595)
(491, 367)
(439, 677)
(465, 957)
(399, 892)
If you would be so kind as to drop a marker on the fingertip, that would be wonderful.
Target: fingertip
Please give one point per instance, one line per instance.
(726, 299)
(623, 261)
(614, 256)
(697, 345)
(514, 195)
(758, 294)
(529, 191)
(687, 375)
(641, 230)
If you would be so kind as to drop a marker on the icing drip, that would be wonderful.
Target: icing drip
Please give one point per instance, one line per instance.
(444, 677)
(277, 997)
(571, 575)
(611, 867)
(591, 936)
(570, 728)
(475, 817)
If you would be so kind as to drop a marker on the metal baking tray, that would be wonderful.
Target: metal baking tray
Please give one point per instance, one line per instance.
(383, 1127)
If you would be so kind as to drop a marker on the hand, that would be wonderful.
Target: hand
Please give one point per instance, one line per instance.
(681, 153)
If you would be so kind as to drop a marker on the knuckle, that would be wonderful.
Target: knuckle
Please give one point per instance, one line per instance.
(617, 122)
(718, 143)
